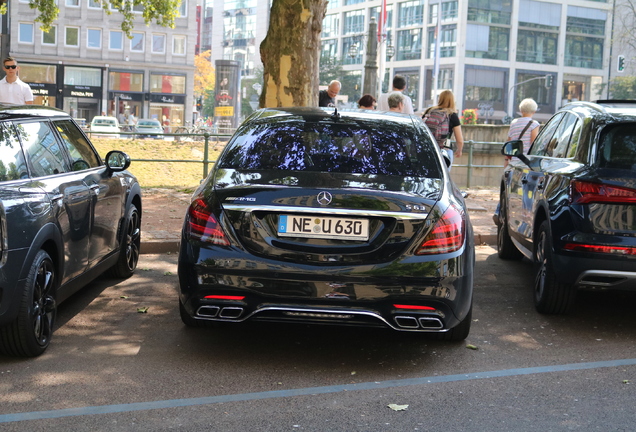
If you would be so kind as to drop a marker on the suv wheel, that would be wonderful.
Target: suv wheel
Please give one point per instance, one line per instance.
(505, 247)
(30, 334)
(550, 295)
(129, 253)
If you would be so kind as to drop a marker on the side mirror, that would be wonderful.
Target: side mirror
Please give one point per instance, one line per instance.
(512, 148)
(117, 160)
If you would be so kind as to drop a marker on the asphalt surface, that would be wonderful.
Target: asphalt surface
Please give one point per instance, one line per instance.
(112, 368)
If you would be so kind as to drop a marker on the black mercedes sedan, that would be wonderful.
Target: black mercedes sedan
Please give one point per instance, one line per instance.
(569, 205)
(329, 217)
(66, 216)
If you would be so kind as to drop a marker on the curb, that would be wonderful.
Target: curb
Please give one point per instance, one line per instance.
(172, 246)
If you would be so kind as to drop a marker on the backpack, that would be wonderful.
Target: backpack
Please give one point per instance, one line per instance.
(438, 122)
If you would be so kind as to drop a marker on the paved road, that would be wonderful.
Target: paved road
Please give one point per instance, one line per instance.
(111, 368)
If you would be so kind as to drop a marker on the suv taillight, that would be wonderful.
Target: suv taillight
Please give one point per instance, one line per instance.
(203, 225)
(447, 235)
(582, 192)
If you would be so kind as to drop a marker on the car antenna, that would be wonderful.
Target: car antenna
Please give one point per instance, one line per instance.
(336, 114)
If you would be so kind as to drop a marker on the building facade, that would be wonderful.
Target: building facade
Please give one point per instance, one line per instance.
(492, 53)
(87, 66)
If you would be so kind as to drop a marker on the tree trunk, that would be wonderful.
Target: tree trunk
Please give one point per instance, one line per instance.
(291, 53)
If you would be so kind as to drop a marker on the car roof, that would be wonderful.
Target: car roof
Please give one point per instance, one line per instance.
(315, 114)
(607, 110)
(8, 111)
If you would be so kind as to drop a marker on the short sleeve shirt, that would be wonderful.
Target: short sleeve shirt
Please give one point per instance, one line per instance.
(17, 92)
(517, 126)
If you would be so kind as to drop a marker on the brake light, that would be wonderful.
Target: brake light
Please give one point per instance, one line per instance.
(586, 192)
(224, 297)
(413, 307)
(618, 250)
(204, 226)
(447, 235)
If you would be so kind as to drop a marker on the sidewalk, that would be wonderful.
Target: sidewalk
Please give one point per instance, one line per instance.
(164, 210)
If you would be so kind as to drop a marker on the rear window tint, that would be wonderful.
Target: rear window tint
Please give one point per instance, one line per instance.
(381, 148)
(618, 146)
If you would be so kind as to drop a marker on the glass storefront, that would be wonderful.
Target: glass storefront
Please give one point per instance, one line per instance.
(167, 100)
(42, 78)
(82, 92)
(125, 99)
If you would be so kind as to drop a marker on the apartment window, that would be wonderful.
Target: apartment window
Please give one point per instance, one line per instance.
(50, 37)
(447, 42)
(94, 38)
(71, 36)
(445, 78)
(179, 45)
(409, 44)
(347, 43)
(329, 50)
(537, 47)
(354, 22)
(375, 12)
(581, 48)
(116, 40)
(94, 4)
(137, 42)
(331, 26)
(586, 21)
(488, 42)
(488, 11)
(159, 43)
(25, 33)
(334, 4)
(183, 8)
(352, 2)
(410, 13)
(72, 3)
(539, 15)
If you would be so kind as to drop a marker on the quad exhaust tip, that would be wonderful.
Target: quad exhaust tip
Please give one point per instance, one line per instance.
(230, 312)
(423, 323)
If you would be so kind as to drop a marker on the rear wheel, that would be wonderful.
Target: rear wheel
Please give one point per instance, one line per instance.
(550, 295)
(505, 247)
(130, 246)
(30, 334)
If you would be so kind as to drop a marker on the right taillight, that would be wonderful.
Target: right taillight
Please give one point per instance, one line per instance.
(582, 192)
(447, 235)
(203, 225)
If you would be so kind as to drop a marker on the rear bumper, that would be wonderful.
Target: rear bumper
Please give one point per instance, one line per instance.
(615, 273)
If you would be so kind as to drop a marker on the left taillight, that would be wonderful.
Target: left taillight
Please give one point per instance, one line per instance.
(203, 226)
(447, 235)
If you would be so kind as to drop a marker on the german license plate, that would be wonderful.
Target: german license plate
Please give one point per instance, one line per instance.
(323, 227)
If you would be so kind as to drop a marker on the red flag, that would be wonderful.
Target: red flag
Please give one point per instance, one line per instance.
(382, 22)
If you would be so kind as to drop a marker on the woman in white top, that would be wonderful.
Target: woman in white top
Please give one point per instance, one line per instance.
(524, 128)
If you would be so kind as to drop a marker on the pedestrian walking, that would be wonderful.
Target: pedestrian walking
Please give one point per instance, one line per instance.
(446, 107)
(399, 85)
(12, 89)
(524, 128)
(327, 98)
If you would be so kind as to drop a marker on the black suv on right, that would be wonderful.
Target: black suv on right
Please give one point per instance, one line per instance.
(569, 205)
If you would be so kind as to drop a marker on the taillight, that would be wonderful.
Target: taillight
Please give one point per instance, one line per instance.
(617, 250)
(204, 226)
(447, 235)
(224, 297)
(582, 192)
(414, 307)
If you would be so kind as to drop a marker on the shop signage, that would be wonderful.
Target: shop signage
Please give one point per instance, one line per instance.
(82, 91)
(126, 96)
(167, 99)
(41, 89)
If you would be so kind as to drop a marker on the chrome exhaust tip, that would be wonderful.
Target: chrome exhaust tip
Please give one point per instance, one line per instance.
(407, 322)
(208, 311)
(231, 312)
(431, 323)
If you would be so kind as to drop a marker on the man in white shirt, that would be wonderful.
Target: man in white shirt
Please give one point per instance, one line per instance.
(12, 89)
(399, 85)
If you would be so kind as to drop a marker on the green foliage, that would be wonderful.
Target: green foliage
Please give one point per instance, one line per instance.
(208, 103)
(621, 87)
(162, 12)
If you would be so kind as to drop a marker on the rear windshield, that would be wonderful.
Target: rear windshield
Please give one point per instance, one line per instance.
(618, 146)
(104, 122)
(372, 148)
(148, 123)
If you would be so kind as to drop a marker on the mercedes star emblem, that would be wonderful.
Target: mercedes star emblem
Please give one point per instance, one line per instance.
(324, 198)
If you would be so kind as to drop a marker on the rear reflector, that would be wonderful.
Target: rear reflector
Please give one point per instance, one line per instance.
(224, 297)
(586, 192)
(618, 250)
(447, 235)
(203, 225)
(413, 307)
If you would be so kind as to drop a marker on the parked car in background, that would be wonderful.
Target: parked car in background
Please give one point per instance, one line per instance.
(104, 124)
(329, 217)
(149, 128)
(570, 204)
(66, 216)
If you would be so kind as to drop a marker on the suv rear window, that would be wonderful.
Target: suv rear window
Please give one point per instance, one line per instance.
(380, 148)
(618, 146)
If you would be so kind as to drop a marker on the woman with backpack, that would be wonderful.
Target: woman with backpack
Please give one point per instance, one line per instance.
(443, 117)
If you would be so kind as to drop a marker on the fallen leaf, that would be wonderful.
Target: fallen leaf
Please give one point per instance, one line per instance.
(625, 381)
(145, 269)
(123, 297)
(396, 407)
(142, 309)
(353, 373)
(167, 273)
(472, 347)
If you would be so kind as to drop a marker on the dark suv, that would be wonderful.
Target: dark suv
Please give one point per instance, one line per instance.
(570, 204)
(65, 217)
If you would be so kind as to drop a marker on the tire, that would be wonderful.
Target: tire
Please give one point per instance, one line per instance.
(460, 331)
(191, 322)
(30, 334)
(130, 246)
(506, 249)
(550, 295)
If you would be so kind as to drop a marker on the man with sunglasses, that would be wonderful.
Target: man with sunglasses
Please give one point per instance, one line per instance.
(12, 89)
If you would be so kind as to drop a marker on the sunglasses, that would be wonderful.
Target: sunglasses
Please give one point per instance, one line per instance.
(10, 66)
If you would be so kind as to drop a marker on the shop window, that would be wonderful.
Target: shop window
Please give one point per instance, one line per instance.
(167, 84)
(125, 81)
(38, 73)
(116, 40)
(489, 42)
(94, 38)
(71, 36)
(25, 33)
(50, 37)
(137, 42)
(83, 76)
